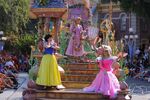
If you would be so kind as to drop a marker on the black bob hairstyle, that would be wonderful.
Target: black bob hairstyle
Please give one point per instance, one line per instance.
(47, 37)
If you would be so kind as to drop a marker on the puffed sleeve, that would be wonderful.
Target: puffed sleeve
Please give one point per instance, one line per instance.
(98, 59)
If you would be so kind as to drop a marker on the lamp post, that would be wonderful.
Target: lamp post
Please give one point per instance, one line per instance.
(1, 40)
(1, 33)
(130, 41)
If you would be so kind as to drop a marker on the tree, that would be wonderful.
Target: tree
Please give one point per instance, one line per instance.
(140, 7)
(14, 14)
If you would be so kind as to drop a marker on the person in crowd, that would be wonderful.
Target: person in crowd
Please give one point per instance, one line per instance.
(146, 56)
(48, 74)
(105, 82)
(9, 63)
(13, 77)
(16, 62)
(23, 60)
(98, 40)
(6, 81)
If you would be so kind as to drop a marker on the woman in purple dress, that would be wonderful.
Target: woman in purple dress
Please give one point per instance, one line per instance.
(105, 82)
(75, 47)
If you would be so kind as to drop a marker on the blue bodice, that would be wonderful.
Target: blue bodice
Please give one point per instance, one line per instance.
(49, 51)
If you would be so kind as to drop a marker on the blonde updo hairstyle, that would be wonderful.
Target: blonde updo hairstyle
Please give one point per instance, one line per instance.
(107, 48)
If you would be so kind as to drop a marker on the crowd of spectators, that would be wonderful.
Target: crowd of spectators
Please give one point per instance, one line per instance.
(10, 65)
(140, 67)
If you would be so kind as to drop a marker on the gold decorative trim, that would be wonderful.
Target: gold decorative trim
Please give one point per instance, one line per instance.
(105, 7)
(36, 10)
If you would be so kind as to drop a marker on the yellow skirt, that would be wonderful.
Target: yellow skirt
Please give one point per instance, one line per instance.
(48, 74)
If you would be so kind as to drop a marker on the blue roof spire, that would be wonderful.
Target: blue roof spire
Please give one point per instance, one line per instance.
(48, 4)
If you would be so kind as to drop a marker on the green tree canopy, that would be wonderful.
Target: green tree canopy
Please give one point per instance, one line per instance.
(140, 7)
(14, 14)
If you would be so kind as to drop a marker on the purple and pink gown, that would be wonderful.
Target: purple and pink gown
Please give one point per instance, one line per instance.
(75, 47)
(105, 82)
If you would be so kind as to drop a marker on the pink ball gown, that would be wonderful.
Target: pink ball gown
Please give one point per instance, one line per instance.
(105, 82)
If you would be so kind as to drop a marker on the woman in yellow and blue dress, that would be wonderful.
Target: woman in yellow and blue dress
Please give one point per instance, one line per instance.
(49, 74)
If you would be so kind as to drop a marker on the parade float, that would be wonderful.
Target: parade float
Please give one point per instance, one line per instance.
(49, 14)
(77, 75)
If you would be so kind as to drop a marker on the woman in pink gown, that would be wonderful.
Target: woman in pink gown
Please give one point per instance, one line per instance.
(75, 47)
(105, 82)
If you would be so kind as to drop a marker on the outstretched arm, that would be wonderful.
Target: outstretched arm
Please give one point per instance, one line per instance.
(96, 40)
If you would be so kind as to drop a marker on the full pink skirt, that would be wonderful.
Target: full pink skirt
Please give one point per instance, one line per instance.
(105, 83)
